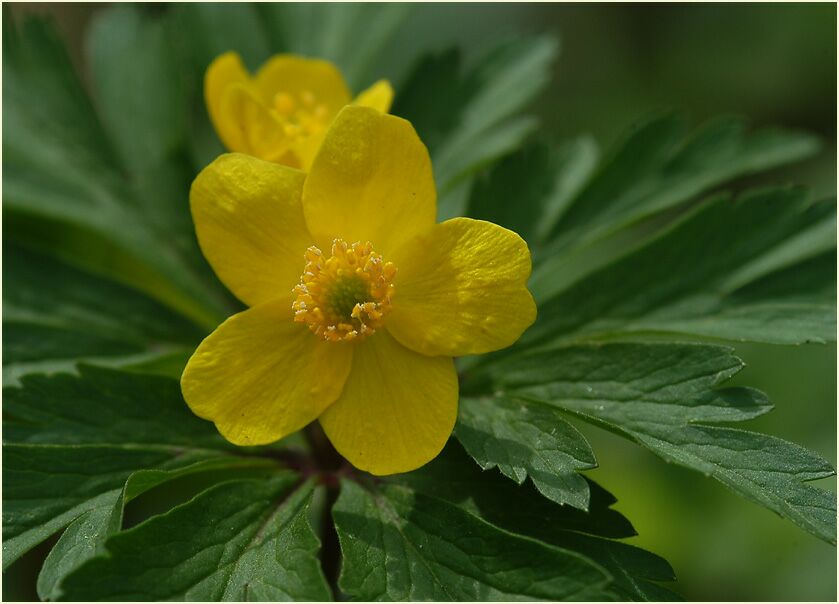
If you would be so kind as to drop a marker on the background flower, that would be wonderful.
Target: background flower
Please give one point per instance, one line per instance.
(282, 112)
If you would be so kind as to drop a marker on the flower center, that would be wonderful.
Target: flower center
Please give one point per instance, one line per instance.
(302, 115)
(346, 296)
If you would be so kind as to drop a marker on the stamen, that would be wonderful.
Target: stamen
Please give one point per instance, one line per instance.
(301, 115)
(346, 296)
(284, 103)
(308, 97)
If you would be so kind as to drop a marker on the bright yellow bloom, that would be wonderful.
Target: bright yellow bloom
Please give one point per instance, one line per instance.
(358, 300)
(282, 113)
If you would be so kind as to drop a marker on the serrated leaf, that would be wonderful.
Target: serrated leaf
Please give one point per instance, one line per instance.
(471, 131)
(60, 170)
(122, 36)
(55, 315)
(662, 396)
(79, 425)
(647, 180)
(541, 178)
(85, 536)
(45, 487)
(504, 81)
(523, 440)
(656, 168)
(103, 406)
(722, 271)
(151, 144)
(401, 545)
(240, 540)
(455, 478)
(78, 543)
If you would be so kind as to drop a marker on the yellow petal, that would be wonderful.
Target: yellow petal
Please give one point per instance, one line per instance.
(224, 71)
(259, 376)
(249, 222)
(397, 409)
(379, 96)
(306, 148)
(461, 289)
(301, 77)
(260, 132)
(370, 181)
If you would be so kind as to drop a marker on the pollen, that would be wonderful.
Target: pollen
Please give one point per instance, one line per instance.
(344, 297)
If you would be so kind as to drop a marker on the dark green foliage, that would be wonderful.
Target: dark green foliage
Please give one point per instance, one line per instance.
(701, 276)
(399, 545)
(453, 477)
(101, 438)
(465, 128)
(657, 167)
(527, 441)
(102, 267)
(62, 167)
(243, 540)
(54, 315)
(102, 406)
(662, 396)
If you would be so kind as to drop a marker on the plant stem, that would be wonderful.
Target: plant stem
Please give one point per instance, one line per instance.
(326, 457)
(330, 464)
(330, 547)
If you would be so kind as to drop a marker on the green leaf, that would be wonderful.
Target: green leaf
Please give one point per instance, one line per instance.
(350, 35)
(455, 478)
(207, 30)
(150, 145)
(503, 82)
(86, 535)
(45, 487)
(200, 33)
(643, 184)
(62, 172)
(723, 271)
(55, 315)
(655, 168)
(662, 396)
(240, 540)
(79, 426)
(527, 441)
(470, 124)
(124, 36)
(437, 74)
(400, 545)
(78, 543)
(103, 406)
(541, 178)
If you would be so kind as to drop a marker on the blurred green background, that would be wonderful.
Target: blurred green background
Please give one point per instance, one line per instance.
(776, 64)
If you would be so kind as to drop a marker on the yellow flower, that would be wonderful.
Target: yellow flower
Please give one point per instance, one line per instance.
(282, 113)
(358, 300)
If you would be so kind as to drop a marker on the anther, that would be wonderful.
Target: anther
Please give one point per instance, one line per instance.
(346, 296)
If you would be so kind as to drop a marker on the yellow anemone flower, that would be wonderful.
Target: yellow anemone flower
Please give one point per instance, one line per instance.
(282, 113)
(358, 299)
